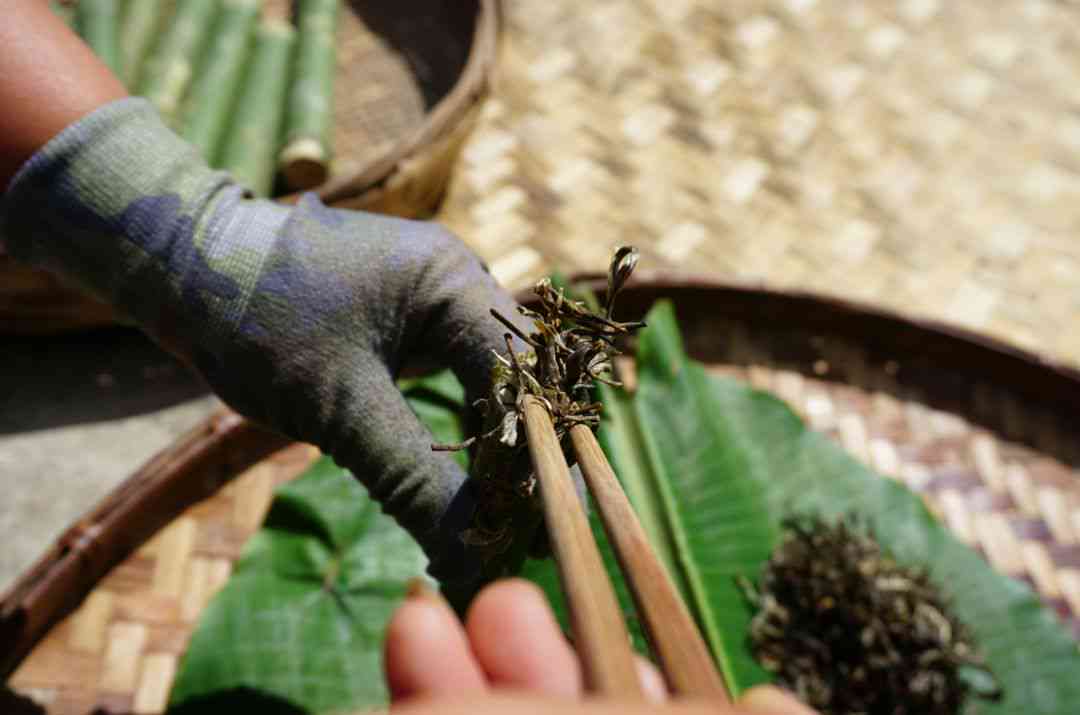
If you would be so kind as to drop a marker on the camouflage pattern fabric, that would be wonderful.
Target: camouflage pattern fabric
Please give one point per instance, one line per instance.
(299, 317)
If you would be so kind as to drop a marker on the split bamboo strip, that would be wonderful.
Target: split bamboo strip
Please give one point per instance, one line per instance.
(600, 633)
(169, 69)
(205, 117)
(141, 23)
(251, 143)
(683, 655)
(305, 158)
(98, 23)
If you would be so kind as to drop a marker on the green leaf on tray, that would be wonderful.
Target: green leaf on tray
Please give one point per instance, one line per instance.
(717, 465)
(711, 465)
(299, 626)
(303, 616)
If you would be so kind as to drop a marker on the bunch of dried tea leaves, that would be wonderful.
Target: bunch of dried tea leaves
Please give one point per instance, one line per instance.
(570, 348)
(851, 631)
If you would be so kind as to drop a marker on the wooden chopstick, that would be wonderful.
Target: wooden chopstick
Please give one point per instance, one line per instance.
(600, 634)
(683, 655)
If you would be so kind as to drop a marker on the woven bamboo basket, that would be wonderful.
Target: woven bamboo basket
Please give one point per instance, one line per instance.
(411, 77)
(980, 429)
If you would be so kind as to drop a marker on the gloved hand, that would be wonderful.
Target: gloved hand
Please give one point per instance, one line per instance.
(299, 317)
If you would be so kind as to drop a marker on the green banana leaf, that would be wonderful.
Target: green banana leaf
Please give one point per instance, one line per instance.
(299, 626)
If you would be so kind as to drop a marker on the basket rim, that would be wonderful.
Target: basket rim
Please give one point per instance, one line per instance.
(981, 355)
(225, 444)
(471, 87)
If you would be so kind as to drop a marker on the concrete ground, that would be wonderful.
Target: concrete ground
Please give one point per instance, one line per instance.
(78, 414)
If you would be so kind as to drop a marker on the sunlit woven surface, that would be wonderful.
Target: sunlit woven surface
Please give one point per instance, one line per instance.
(920, 154)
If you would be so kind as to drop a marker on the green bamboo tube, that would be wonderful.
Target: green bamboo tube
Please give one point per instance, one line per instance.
(64, 11)
(206, 110)
(304, 160)
(98, 23)
(251, 143)
(141, 22)
(169, 69)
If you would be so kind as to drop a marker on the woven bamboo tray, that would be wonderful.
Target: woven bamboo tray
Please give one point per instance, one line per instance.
(981, 430)
(411, 76)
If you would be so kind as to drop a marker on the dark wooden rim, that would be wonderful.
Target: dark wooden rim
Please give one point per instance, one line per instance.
(942, 363)
(887, 336)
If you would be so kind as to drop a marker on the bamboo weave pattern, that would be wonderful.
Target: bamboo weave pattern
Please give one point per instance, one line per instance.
(919, 154)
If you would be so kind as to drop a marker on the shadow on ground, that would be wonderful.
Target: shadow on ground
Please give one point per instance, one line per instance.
(49, 382)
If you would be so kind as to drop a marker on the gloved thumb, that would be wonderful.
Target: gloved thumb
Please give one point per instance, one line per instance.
(381, 441)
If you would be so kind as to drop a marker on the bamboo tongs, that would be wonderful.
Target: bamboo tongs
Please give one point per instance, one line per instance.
(600, 633)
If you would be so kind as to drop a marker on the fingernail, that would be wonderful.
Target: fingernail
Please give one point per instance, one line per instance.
(770, 699)
(652, 683)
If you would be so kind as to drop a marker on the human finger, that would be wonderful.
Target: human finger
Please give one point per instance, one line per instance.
(521, 704)
(518, 642)
(427, 652)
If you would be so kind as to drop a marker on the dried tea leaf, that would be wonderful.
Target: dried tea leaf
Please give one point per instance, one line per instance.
(851, 630)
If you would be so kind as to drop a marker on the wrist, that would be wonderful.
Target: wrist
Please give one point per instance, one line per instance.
(71, 196)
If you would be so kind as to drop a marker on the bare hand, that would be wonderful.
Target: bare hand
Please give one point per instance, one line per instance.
(510, 657)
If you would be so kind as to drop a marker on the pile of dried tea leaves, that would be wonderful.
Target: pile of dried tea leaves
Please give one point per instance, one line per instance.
(570, 348)
(851, 631)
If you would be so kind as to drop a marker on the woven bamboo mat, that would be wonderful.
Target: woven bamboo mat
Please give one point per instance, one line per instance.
(918, 154)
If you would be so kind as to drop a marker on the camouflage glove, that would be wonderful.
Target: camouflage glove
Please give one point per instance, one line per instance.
(299, 317)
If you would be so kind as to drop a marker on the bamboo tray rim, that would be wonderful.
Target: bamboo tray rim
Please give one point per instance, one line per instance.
(215, 451)
(817, 310)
